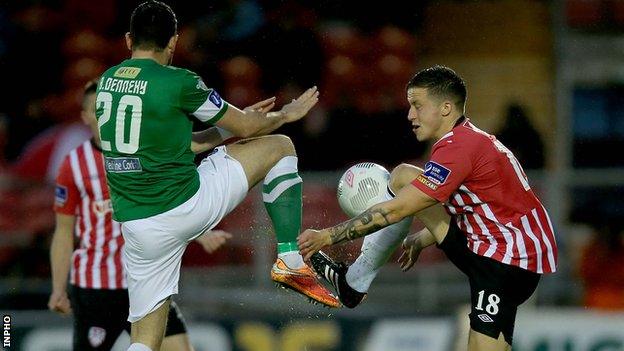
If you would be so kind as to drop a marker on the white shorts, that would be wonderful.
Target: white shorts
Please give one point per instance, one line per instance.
(154, 246)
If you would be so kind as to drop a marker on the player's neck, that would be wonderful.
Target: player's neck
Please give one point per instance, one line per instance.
(448, 125)
(158, 56)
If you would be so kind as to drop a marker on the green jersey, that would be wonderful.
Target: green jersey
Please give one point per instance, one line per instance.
(144, 112)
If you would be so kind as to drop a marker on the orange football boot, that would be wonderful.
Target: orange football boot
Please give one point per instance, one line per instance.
(304, 281)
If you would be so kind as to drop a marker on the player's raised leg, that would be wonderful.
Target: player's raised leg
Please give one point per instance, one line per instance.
(352, 283)
(435, 218)
(273, 159)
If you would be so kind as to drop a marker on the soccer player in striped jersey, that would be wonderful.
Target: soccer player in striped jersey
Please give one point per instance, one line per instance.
(496, 231)
(98, 288)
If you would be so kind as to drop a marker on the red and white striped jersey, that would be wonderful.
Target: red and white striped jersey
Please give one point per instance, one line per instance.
(81, 190)
(484, 188)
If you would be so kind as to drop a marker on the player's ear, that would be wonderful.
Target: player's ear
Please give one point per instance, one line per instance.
(172, 43)
(446, 108)
(128, 41)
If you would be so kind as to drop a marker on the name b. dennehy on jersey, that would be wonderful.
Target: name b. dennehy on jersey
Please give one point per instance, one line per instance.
(126, 85)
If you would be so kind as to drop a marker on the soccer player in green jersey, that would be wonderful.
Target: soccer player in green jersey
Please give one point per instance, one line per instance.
(144, 109)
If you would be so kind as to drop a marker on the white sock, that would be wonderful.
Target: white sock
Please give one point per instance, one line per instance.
(138, 347)
(287, 165)
(292, 259)
(375, 252)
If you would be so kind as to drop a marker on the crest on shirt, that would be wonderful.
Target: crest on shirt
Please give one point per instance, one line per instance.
(127, 72)
(436, 173)
(215, 98)
(96, 336)
(201, 85)
(60, 195)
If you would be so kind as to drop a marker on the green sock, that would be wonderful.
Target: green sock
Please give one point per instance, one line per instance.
(283, 200)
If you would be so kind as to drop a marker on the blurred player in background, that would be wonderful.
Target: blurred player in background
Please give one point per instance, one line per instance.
(498, 232)
(144, 111)
(99, 295)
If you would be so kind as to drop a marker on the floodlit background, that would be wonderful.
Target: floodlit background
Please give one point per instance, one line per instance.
(546, 77)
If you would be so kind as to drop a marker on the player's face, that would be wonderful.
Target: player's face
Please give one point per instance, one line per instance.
(424, 114)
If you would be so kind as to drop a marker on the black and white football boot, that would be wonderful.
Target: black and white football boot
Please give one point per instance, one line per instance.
(335, 273)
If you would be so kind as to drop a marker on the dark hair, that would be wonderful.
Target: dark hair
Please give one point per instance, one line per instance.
(442, 82)
(89, 89)
(152, 24)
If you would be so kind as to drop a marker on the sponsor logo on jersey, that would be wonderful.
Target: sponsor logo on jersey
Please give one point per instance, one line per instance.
(215, 99)
(96, 336)
(201, 85)
(485, 318)
(60, 195)
(127, 72)
(122, 164)
(436, 173)
(427, 182)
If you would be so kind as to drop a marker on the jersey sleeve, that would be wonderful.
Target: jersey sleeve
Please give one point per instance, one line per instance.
(449, 166)
(200, 101)
(66, 194)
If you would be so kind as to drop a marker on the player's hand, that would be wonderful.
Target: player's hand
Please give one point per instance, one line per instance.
(263, 106)
(301, 105)
(59, 302)
(212, 240)
(411, 251)
(311, 241)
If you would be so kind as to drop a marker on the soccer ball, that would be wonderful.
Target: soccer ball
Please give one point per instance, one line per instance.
(362, 186)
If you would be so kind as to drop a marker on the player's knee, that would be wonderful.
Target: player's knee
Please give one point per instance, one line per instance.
(283, 145)
(402, 175)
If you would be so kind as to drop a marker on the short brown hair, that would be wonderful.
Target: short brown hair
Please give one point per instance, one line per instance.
(441, 81)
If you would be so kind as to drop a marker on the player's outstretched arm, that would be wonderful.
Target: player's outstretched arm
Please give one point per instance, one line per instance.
(408, 201)
(212, 137)
(60, 260)
(256, 120)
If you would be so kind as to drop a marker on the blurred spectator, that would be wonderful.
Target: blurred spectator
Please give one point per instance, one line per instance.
(602, 268)
(519, 136)
(43, 155)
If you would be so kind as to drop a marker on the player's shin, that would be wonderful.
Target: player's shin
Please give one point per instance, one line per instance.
(376, 250)
(282, 195)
